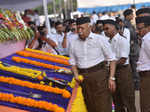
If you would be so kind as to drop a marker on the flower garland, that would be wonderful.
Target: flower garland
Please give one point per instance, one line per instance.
(73, 82)
(43, 57)
(23, 71)
(30, 102)
(78, 104)
(12, 27)
(46, 53)
(77, 99)
(19, 60)
(14, 81)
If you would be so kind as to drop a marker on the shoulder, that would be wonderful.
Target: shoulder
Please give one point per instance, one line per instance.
(146, 38)
(126, 30)
(98, 36)
(123, 40)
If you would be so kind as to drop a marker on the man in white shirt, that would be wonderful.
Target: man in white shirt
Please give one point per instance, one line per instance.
(87, 56)
(124, 95)
(143, 64)
(94, 18)
(70, 36)
(58, 37)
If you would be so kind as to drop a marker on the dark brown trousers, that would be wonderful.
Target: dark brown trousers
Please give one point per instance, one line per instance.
(124, 97)
(145, 91)
(95, 90)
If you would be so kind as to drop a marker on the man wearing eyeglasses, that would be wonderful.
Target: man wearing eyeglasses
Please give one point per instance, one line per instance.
(88, 54)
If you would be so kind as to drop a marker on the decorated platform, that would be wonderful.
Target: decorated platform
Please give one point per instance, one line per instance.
(35, 84)
(36, 81)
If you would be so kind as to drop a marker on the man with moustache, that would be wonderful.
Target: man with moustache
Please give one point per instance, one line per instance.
(87, 56)
(143, 64)
(123, 97)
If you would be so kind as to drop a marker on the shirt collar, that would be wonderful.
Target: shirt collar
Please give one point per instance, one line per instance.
(91, 36)
(146, 36)
(115, 37)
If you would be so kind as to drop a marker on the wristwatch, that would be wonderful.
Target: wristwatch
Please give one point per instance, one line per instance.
(112, 78)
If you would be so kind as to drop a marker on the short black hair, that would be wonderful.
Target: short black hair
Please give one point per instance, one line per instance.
(83, 20)
(112, 22)
(72, 21)
(58, 23)
(127, 12)
(99, 22)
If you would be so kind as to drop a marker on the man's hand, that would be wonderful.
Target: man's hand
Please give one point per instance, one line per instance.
(78, 79)
(112, 85)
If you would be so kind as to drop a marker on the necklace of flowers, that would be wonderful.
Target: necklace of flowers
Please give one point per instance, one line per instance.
(35, 74)
(46, 53)
(36, 63)
(43, 57)
(10, 80)
(30, 102)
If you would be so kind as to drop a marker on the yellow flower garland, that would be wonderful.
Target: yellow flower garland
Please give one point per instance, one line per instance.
(19, 60)
(46, 53)
(14, 81)
(23, 71)
(43, 57)
(30, 102)
(78, 104)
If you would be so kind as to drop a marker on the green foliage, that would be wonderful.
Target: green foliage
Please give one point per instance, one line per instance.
(57, 6)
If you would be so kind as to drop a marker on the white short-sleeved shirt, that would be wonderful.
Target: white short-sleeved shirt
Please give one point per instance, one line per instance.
(120, 47)
(58, 38)
(90, 52)
(70, 38)
(126, 33)
(143, 63)
(47, 47)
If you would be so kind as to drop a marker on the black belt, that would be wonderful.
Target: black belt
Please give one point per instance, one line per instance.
(92, 69)
(122, 66)
(144, 73)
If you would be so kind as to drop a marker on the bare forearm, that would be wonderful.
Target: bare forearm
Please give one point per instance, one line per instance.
(64, 43)
(49, 41)
(32, 42)
(112, 68)
(75, 71)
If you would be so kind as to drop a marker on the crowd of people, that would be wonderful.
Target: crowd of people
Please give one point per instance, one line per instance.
(111, 52)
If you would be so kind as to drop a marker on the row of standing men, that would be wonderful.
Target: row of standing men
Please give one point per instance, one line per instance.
(90, 52)
(115, 44)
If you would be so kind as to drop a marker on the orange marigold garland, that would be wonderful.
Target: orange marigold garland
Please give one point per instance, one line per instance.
(30, 102)
(14, 81)
(19, 60)
(46, 53)
(43, 57)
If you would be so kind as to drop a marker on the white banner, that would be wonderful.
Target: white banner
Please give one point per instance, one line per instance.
(99, 3)
(21, 4)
